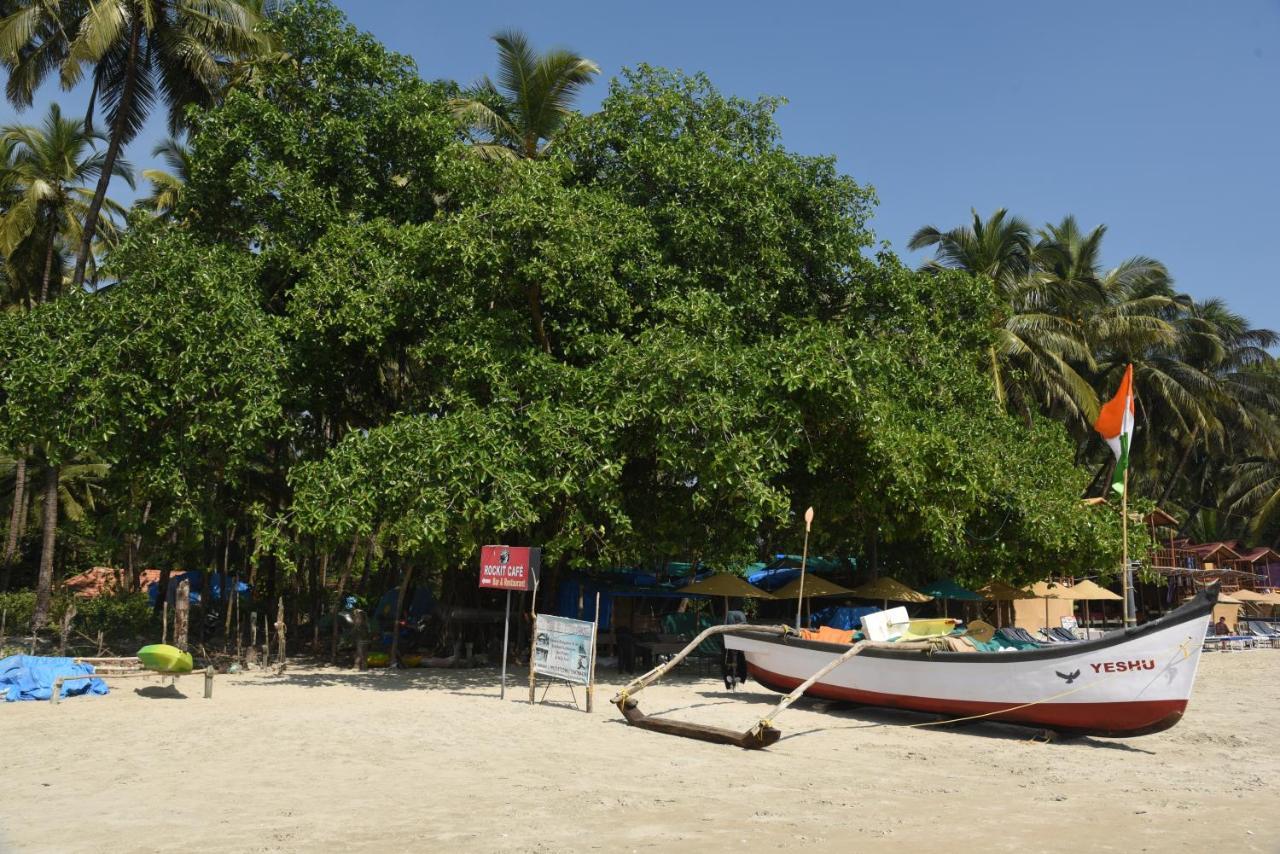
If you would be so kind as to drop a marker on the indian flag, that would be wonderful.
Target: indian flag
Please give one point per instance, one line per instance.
(1115, 424)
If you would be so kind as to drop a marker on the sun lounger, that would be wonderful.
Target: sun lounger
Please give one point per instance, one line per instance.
(1063, 635)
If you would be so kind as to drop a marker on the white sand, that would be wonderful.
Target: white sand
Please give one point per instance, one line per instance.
(327, 760)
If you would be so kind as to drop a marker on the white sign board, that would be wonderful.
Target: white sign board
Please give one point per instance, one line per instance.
(1069, 623)
(562, 648)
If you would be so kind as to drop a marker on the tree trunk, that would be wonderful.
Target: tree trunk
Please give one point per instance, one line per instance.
(123, 108)
(1173, 476)
(44, 584)
(342, 591)
(535, 309)
(48, 271)
(395, 616)
(16, 518)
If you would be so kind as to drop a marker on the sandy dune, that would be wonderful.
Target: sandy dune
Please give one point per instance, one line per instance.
(328, 760)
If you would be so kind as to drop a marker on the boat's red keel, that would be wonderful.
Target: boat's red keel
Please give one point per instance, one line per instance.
(1109, 720)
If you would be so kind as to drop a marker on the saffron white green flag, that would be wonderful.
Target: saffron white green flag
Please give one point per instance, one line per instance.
(1115, 425)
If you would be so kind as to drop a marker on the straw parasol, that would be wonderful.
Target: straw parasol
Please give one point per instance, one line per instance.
(998, 591)
(1047, 590)
(1249, 596)
(813, 586)
(1087, 591)
(889, 590)
(726, 585)
(809, 587)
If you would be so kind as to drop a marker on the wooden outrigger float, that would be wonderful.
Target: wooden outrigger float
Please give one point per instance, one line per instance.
(1130, 682)
(764, 733)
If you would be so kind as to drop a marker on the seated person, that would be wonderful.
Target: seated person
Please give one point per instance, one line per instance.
(1221, 628)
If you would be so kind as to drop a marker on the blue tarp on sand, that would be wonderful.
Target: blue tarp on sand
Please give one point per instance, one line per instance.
(30, 677)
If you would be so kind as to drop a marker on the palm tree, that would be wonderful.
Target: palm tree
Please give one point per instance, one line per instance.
(1035, 343)
(167, 185)
(518, 117)
(52, 166)
(176, 51)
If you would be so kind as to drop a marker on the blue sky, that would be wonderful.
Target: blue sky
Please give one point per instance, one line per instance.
(1159, 118)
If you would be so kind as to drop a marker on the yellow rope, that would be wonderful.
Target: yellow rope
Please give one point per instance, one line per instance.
(1182, 646)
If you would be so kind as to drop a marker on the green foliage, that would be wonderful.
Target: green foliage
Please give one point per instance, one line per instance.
(117, 617)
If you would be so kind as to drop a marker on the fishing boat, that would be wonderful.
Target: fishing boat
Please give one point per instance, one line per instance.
(1126, 683)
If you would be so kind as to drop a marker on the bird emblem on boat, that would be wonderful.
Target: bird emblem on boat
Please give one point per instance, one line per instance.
(1070, 677)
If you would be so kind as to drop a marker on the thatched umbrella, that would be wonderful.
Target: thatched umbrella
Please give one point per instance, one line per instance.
(726, 585)
(1047, 590)
(1087, 591)
(889, 590)
(998, 591)
(810, 588)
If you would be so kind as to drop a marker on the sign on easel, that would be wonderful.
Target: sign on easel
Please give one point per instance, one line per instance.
(509, 568)
(565, 649)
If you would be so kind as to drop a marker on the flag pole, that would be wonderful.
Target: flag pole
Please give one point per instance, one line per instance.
(804, 558)
(1124, 527)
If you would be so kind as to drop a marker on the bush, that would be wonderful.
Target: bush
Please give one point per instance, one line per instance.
(115, 616)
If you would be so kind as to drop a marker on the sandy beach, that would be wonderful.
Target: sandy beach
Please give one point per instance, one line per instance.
(327, 760)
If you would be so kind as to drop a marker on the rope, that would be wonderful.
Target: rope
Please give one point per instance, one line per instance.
(1182, 647)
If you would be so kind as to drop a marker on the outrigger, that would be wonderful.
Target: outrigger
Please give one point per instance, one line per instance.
(1126, 683)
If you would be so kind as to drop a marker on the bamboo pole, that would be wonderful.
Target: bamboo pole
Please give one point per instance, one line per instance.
(1124, 568)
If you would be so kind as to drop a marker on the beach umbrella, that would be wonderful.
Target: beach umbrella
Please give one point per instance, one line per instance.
(1047, 590)
(946, 589)
(811, 587)
(998, 591)
(1250, 596)
(1086, 591)
(889, 590)
(726, 585)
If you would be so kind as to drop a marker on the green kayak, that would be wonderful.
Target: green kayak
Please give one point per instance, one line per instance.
(165, 659)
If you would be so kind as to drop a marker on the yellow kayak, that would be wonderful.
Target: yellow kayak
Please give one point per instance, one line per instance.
(163, 658)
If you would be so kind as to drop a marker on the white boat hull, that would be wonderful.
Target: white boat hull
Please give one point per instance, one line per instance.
(1126, 683)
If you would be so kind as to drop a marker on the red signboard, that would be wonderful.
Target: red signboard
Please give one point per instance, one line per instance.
(509, 567)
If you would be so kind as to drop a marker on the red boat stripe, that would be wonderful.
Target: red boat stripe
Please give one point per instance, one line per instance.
(1132, 718)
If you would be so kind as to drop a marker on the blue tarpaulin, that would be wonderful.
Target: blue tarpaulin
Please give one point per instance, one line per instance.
(840, 617)
(30, 677)
(196, 577)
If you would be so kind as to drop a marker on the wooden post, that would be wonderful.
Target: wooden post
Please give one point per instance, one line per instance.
(208, 682)
(533, 640)
(591, 671)
(65, 628)
(253, 633)
(280, 639)
(360, 625)
(100, 644)
(506, 635)
(4, 618)
(164, 617)
(181, 615)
